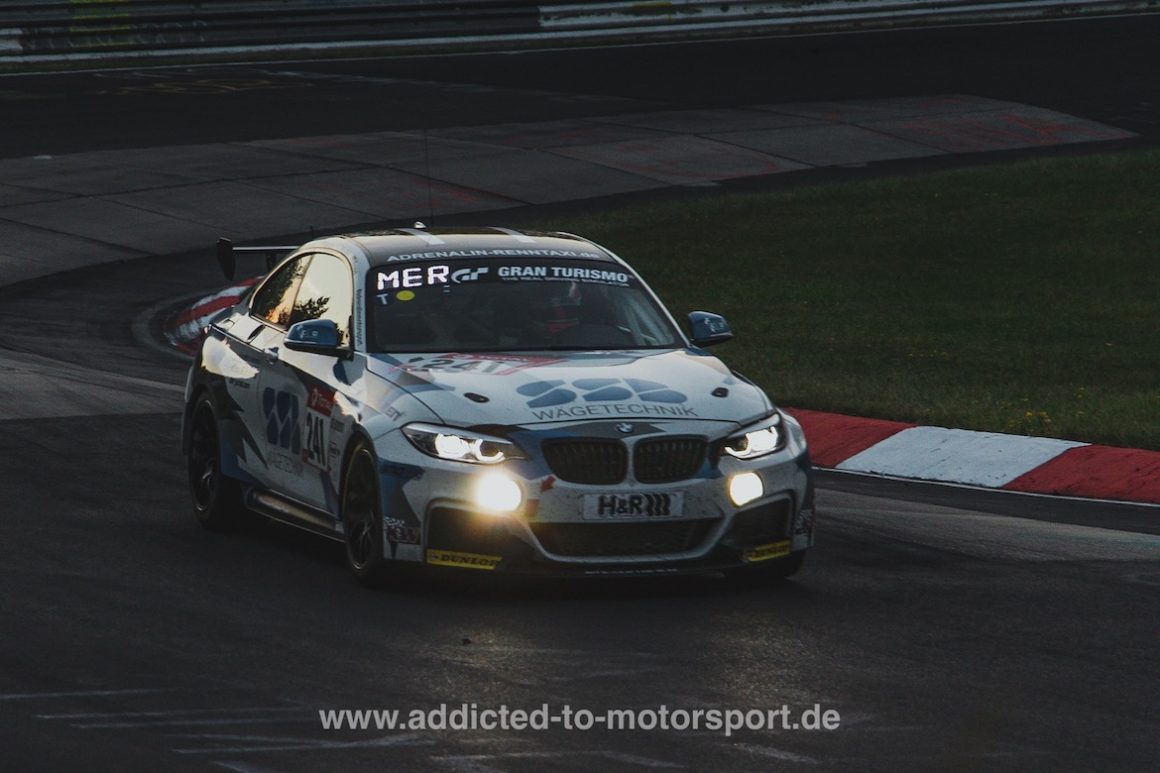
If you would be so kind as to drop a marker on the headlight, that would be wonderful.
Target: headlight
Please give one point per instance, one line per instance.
(497, 493)
(745, 487)
(460, 445)
(767, 438)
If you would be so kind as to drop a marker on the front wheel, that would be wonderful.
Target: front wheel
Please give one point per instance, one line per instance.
(362, 518)
(217, 499)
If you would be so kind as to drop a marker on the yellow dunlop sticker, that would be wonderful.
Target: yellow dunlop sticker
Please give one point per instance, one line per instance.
(465, 560)
(766, 552)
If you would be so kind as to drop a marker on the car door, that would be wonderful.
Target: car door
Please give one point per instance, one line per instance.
(259, 337)
(297, 389)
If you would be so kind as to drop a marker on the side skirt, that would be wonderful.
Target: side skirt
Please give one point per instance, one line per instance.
(292, 513)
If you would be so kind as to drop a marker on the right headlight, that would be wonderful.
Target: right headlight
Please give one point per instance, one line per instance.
(460, 445)
(766, 437)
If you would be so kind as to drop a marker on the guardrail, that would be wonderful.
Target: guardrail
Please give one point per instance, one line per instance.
(42, 31)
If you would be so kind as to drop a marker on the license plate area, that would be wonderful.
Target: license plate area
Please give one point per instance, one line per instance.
(634, 506)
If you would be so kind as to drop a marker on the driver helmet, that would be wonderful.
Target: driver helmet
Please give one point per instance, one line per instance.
(558, 308)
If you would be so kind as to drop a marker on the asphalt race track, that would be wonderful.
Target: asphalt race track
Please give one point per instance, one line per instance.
(1098, 69)
(950, 630)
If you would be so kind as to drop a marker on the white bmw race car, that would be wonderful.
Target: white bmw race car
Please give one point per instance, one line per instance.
(494, 400)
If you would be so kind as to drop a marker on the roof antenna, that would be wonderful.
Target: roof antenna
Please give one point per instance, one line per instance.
(427, 166)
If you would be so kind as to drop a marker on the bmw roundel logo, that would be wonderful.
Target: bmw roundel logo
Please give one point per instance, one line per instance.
(624, 428)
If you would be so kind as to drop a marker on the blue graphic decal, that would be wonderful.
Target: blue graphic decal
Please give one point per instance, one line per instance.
(537, 387)
(594, 383)
(640, 385)
(663, 396)
(281, 412)
(394, 500)
(550, 393)
(547, 392)
(555, 397)
(609, 393)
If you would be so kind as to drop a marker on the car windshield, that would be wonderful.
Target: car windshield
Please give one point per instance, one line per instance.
(512, 305)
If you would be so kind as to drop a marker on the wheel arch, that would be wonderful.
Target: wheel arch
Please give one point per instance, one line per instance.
(357, 435)
(199, 391)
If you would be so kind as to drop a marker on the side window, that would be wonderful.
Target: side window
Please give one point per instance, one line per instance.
(274, 300)
(326, 292)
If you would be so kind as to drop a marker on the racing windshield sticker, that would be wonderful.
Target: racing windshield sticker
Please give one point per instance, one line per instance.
(512, 304)
(505, 253)
(416, 277)
(562, 273)
(400, 283)
(468, 274)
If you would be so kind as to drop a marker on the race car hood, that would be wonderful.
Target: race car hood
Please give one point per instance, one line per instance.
(474, 390)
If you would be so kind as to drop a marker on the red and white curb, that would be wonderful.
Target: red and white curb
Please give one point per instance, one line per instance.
(892, 448)
(983, 459)
(184, 330)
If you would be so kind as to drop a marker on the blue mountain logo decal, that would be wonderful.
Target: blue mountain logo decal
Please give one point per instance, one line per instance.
(282, 427)
(546, 394)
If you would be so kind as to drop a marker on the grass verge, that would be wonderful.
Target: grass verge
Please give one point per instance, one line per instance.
(1021, 298)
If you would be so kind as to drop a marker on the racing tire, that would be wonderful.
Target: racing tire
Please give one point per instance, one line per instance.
(767, 572)
(362, 519)
(217, 498)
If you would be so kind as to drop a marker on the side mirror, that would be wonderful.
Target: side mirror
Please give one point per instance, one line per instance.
(316, 336)
(708, 329)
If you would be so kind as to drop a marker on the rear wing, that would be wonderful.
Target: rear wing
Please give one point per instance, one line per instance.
(227, 255)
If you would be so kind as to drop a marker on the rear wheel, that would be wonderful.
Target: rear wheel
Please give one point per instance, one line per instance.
(217, 499)
(362, 518)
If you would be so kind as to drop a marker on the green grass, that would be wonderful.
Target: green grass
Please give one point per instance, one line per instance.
(1018, 298)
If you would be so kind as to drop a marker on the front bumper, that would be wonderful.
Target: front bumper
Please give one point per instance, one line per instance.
(549, 533)
(469, 539)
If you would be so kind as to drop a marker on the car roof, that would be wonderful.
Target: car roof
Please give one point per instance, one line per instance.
(419, 244)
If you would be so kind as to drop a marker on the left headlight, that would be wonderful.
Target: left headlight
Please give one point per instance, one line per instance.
(765, 438)
(460, 445)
